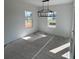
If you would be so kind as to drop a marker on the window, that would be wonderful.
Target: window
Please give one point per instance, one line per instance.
(28, 19)
(52, 20)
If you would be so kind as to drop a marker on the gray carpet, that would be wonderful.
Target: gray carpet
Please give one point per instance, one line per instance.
(56, 42)
(23, 49)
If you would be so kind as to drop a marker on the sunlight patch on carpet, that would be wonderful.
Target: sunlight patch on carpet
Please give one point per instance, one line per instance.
(26, 38)
(58, 49)
(43, 35)
(66, 55)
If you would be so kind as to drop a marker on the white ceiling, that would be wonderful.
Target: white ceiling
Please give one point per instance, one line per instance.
(51, 2)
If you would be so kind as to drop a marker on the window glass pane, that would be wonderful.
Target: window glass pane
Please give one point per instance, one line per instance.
(28, 14)
(28, 19)
(52, 20)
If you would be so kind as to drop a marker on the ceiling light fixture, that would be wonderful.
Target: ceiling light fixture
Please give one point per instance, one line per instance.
(45, 11)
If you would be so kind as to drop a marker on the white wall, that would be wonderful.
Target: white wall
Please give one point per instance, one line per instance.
(63, 21)
(14, 20)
